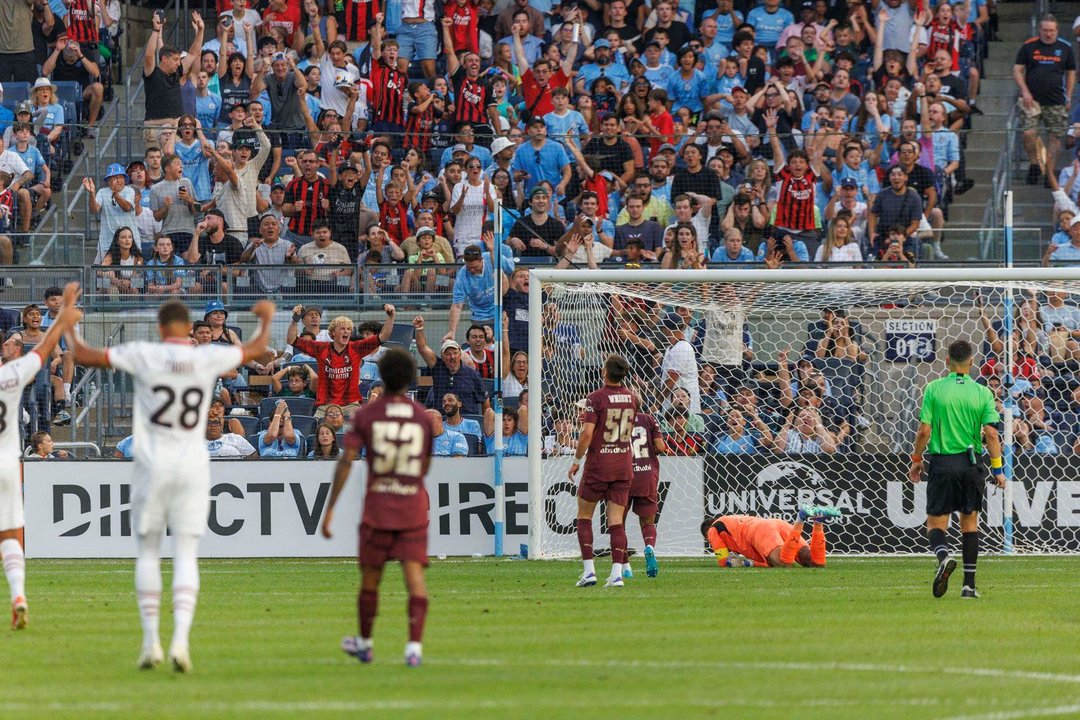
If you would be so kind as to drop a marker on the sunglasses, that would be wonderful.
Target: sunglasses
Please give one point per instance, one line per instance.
(472, 166)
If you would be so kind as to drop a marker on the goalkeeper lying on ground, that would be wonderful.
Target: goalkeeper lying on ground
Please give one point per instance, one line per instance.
(767, 542)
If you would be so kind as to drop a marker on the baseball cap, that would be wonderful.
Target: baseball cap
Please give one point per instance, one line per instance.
(602, 42)
(346, 167)
(849, 182)
(460, 147)
(740, 88)
(425, 231)
(538, 190)
(216, 213)
(1075, 220)
(472, 252)
(24, 107)
(667, 146)
(448, 344)
(822, 84)
(429, 195)
(536, 120)
(651, 43)
(277, 186)
(806, 5)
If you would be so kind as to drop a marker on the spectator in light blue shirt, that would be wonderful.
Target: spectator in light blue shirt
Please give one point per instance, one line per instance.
(541, 159)
(738, 439)
(563, 123)
(733, 251)
(794, 252)
(124, 448)
(605, 66)
(451, 405)
(1069, 254)
(687, 86)
(275, 444)
(515, 437)
(475, 285)
(858, 169)
(945, 142)
(769, 21)
(726, 21)
(444, 441)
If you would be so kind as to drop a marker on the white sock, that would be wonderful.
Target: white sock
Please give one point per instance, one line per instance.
(626, 566)
(14, 567)
(67, 390)
(413, 648)
(616, 570)
(148, 586)
(185, 586)
(590, 567)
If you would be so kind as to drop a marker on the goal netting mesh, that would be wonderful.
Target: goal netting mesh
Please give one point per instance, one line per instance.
(773, 394)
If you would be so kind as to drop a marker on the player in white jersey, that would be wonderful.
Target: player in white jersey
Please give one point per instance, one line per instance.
(14, 376)
(174, 384)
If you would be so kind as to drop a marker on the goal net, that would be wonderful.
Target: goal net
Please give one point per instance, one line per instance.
(775, 388)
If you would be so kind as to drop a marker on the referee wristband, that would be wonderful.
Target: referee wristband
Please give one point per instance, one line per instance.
(995, 466)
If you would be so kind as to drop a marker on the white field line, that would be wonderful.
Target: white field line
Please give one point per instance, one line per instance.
(1020, 714)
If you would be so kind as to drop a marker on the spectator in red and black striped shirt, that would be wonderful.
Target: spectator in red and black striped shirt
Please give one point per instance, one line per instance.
(389, 83)
(82, 26)
(422, 117)
(796, 204)
(307, 198)
(473, 100)
(357, 19)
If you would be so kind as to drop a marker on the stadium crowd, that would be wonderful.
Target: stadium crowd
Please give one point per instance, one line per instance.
(352, 137)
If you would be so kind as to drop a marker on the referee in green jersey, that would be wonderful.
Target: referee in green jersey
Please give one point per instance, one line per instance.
(957, 413)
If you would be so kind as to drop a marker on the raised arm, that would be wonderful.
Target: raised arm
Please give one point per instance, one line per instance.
(452, 63)
(256, 346)
(421, 341)
(195, 51)
(388, 324)
(65, 320)
(152, 43)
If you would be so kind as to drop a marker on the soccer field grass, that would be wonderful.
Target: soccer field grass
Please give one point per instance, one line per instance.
(514, 639)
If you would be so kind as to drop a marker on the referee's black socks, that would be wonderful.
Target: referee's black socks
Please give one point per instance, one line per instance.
(971, 556)
(938, 544)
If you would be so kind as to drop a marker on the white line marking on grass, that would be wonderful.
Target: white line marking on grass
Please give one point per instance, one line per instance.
(1019, 714)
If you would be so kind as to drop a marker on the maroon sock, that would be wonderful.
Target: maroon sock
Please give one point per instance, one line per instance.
(417, 614)
(368, 605)
(618, 543)
(584, 538)
(648, 534)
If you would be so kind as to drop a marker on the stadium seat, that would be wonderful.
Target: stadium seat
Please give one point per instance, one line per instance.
(297, 405)
(236, 331)
(511, 403)
(68, 91)
(15, 93)
(251, 424)
(402, 334)
(476, 447)
(489, 386)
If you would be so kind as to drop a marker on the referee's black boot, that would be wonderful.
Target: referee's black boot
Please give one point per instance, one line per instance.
(941, 577)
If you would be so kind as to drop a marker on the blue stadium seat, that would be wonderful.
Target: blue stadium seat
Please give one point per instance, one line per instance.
(251, 424)
(297, 406)
(476, 447)
(511, 403)
(403, 334)
(15, 93)
(68, 91)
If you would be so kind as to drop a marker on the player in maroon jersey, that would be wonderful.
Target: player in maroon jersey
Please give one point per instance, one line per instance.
(609, 467)
(397, 434)
(646, 445)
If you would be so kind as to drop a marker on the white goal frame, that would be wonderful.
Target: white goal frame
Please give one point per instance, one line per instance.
(539, 276)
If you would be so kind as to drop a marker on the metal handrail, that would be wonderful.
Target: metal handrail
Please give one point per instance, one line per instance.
(73, 445)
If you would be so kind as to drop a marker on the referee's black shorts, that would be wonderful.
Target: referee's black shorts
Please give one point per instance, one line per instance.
(954, 485)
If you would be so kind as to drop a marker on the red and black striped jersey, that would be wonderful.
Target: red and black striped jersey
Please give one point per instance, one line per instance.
(394, 219)
(306, 198)
(471, 98)
(418, 128)
(795, 203)
(485, 367)
(357, 17)
(82, 21)
(945, 38)
(389, 87)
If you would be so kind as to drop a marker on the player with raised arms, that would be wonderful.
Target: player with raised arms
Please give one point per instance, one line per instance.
(957, 414)
(14, 377)
(769, 542)
(609, 467)
(397, 433)
(174, 384)
(646, 445)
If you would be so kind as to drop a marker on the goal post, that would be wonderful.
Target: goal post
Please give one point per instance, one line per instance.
(836, 420)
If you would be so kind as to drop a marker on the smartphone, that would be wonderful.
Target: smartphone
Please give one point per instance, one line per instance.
(227, 21)
(160, 15)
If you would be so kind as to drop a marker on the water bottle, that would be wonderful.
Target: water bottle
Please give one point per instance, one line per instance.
(218, 388)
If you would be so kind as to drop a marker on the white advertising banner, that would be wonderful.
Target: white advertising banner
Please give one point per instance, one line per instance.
(265, 509)
(681, 499)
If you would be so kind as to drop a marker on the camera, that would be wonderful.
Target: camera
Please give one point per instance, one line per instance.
(159, 15)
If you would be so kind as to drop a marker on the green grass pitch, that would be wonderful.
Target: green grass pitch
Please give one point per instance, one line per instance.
(512, 639)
